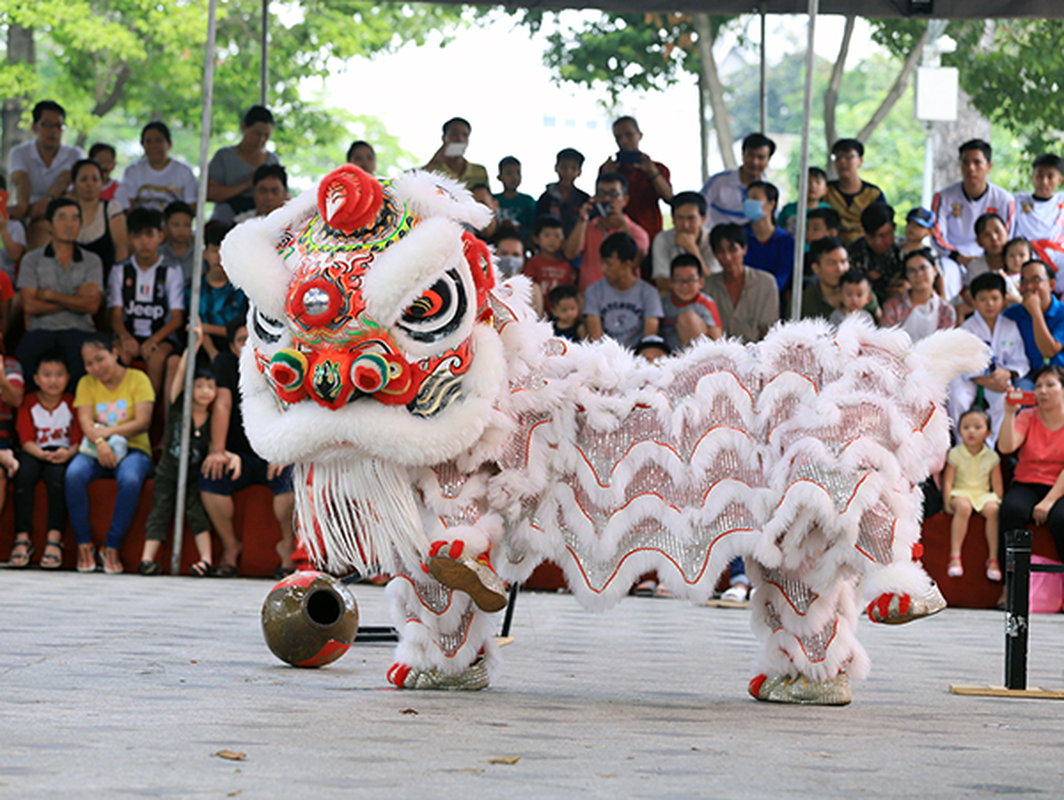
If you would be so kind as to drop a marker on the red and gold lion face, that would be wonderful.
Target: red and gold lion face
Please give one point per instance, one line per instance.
(367, 295)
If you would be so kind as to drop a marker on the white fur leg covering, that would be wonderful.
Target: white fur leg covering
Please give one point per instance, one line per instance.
(439, 628)
(803, 632)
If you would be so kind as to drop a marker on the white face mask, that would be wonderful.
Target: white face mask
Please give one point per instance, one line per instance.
(510, 265)
(455, 149)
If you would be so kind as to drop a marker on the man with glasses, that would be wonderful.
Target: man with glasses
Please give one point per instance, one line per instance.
(687, 237)
(1040, 318)
(40, 170)
(848, 194)
(597, 219)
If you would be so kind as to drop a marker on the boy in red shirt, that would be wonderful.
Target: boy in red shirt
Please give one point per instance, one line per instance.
(548, 268)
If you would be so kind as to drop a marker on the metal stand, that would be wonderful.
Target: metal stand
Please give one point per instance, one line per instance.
(1018, 570)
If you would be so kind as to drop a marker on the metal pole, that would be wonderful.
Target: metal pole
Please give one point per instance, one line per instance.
(264, 49)
(197, 272)
(803, 168)
(1017, 600)
(764, 78)
(928, 193)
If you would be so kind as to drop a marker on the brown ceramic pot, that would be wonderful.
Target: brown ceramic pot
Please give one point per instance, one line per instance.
(309, 619)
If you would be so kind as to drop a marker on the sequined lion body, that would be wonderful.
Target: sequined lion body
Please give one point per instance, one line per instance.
(430, 416)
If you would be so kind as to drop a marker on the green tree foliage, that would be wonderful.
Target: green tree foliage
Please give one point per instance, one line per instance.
(1013, 70)
(143, 59)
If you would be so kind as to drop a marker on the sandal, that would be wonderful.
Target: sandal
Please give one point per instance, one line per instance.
(149, 568)
(86, 558)
(201, 569)
(21, 560)
(993, 570)
(51, 560)
(224, 571)
(955, 568)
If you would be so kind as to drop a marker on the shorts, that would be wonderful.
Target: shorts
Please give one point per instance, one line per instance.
(252, 473)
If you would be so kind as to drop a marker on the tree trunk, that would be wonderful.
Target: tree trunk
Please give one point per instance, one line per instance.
(714, 88)
(831, 96)
(896, 91)
(703, 130)
(20, 50)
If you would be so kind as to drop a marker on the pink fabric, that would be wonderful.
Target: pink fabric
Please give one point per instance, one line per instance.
(594, 236)
(1041, 456)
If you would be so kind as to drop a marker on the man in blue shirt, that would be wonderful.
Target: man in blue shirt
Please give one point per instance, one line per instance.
(1040, 317)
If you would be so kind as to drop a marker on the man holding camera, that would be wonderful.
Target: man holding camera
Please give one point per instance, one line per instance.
(597, 219)
(648, 180)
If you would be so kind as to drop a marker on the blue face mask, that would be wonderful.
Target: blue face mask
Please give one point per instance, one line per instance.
(752, 210)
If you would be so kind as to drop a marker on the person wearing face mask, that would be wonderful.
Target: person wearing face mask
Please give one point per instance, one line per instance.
(450, 158)
(725, 191)
(771, 248)
(509, 251)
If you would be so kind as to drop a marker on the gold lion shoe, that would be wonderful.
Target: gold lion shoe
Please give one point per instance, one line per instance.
(472, 678)
(895, 609)
(801, 690)
(473, 577)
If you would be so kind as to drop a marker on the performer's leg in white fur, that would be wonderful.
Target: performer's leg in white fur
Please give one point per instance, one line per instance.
(445, 642)
(809, 646)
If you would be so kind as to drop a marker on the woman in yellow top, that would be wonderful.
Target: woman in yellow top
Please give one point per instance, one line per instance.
(114, 406)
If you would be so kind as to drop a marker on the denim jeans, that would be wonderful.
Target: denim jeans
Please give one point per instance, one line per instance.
(130, 474)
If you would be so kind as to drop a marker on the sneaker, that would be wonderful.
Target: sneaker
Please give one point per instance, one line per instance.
(736, 594)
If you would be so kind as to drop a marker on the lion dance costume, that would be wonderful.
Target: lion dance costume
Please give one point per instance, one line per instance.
(440, 433)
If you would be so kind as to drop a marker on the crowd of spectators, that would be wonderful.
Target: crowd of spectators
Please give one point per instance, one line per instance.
(602, 264)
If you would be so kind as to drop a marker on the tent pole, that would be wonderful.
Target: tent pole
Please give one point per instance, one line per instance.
(197, 273)
(803, 168)
(764, 79)
(264, 50)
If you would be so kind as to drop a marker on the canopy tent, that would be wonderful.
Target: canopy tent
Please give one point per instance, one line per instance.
(872, 9)
(875, 9)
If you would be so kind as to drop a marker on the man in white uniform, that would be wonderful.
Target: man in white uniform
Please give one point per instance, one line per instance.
(959, 205)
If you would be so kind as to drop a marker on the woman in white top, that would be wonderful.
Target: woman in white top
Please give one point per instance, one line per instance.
(921, 310)
(103, 225)
(157, 179)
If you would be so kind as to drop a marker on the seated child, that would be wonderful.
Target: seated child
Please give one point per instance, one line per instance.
(164, 490)
(972, 482)
(1038, 216)
(621, 305)
(515, 208)
(482, 194)
(1008, 356)
(1017, 252)
(146, 297)
(220, 301)
(362, 155)
(565, 316)
(50, 436)
(548, 268)
(816, 188)
(918, 225)
(991, 233)
(177, 228)
(856, 294)
(652, 348)
(687, 313)
(562, 199)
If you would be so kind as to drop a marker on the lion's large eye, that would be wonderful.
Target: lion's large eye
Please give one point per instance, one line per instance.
(266, 328)
(438, 312)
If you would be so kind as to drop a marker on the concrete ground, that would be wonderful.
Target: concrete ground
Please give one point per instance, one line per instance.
(130, 686)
